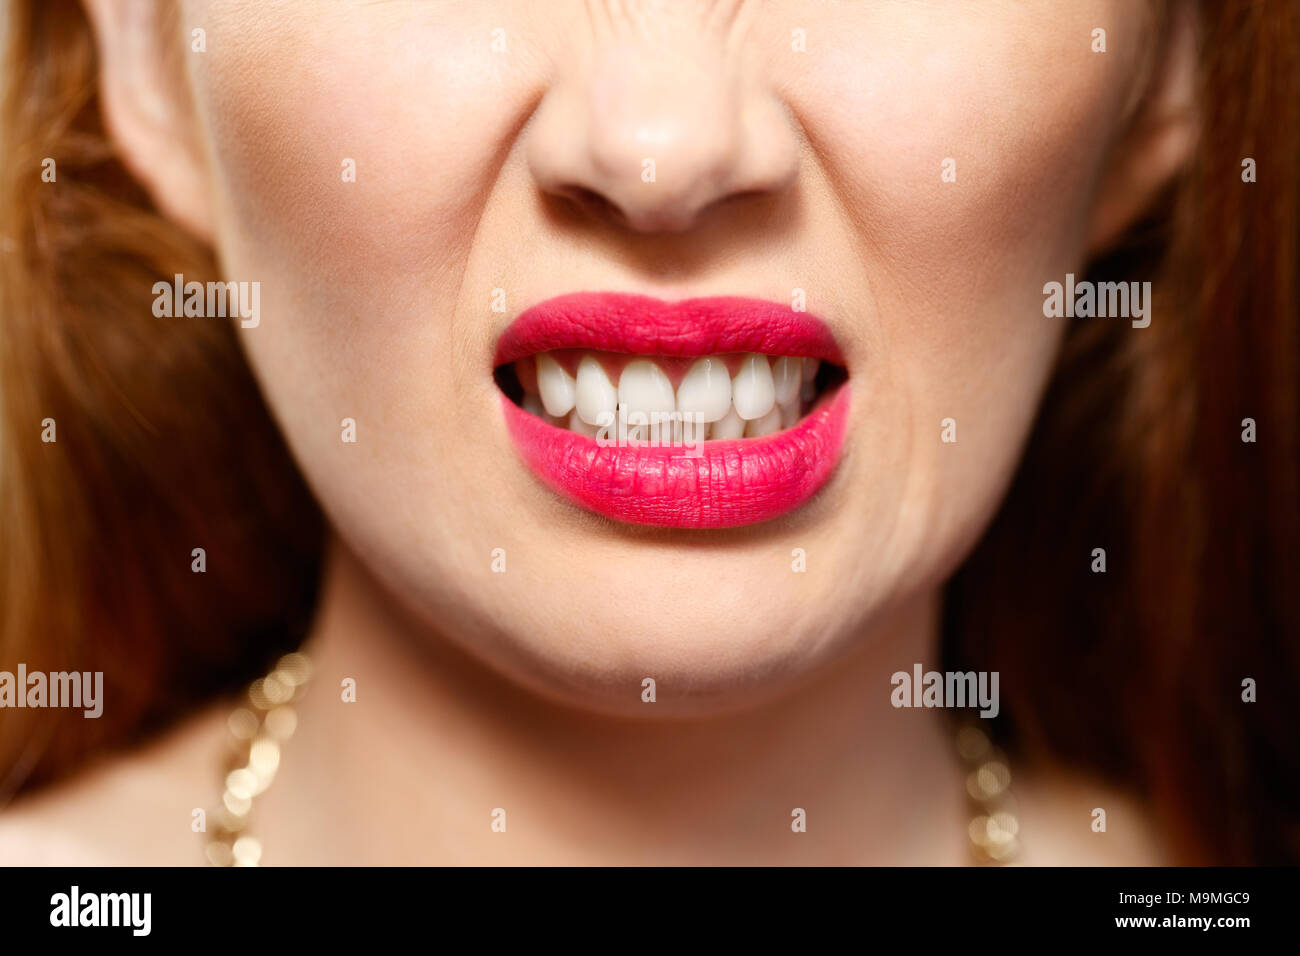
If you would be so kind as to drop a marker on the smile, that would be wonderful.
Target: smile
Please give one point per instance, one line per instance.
(703, 413)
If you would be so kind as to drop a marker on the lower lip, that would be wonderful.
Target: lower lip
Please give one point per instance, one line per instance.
(726, 485)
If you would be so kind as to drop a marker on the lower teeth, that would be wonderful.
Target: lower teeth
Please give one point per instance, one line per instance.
(669, 428)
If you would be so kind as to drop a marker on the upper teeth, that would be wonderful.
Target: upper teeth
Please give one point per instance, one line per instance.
(555, 385)
(643, 387)
(762, 397)
(595, 392)
(706, 388)
(752, 390)
(787, 374)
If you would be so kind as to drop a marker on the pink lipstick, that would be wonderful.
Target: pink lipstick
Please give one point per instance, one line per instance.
(702, 413)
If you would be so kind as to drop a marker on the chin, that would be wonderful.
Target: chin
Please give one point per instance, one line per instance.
(714, 636)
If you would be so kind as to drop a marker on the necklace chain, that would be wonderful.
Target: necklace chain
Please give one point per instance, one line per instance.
(259, 728)
(994, 827)
(267, 718)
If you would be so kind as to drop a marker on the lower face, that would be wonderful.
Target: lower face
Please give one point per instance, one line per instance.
(827, 347)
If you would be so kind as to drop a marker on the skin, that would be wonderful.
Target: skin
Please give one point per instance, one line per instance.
(776, 170)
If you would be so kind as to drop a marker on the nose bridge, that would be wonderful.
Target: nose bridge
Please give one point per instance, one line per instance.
(681, 115)
(660, 119)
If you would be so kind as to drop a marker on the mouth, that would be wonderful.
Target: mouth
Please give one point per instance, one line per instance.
(703, 413)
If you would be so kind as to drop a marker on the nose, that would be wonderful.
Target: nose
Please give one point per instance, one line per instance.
(650, 139)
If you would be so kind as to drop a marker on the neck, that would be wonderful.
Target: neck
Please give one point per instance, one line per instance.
(435, 744)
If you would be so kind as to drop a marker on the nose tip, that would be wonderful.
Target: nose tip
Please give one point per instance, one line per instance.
(652, 147)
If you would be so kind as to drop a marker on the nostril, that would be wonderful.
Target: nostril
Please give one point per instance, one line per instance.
(592, 203)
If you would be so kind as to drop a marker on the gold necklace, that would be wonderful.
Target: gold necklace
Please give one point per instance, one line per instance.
(266, 719)
(259, 727)
(994, 827)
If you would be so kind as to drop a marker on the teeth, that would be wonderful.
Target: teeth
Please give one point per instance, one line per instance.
(594, 393)
(752, 390)
(769, 424)
(638, 423)
(555, 385)
(786, 379)
(643, 387)
(706, 388)
(790, 412)
(727, 427)
(576, 424)
(765, 397)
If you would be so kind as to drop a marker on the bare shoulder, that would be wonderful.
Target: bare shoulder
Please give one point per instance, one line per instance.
(1072, 820)
(134, 808)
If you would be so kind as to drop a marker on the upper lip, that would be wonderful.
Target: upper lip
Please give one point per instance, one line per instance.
(639, 324)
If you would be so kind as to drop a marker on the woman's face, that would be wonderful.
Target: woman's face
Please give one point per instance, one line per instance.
(916, 171)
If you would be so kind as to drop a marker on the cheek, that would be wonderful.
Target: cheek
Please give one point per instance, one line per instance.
(353, 149)
(969, 149)
(360, 273)
(358, 276)
(953, 265)
(351, 133)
